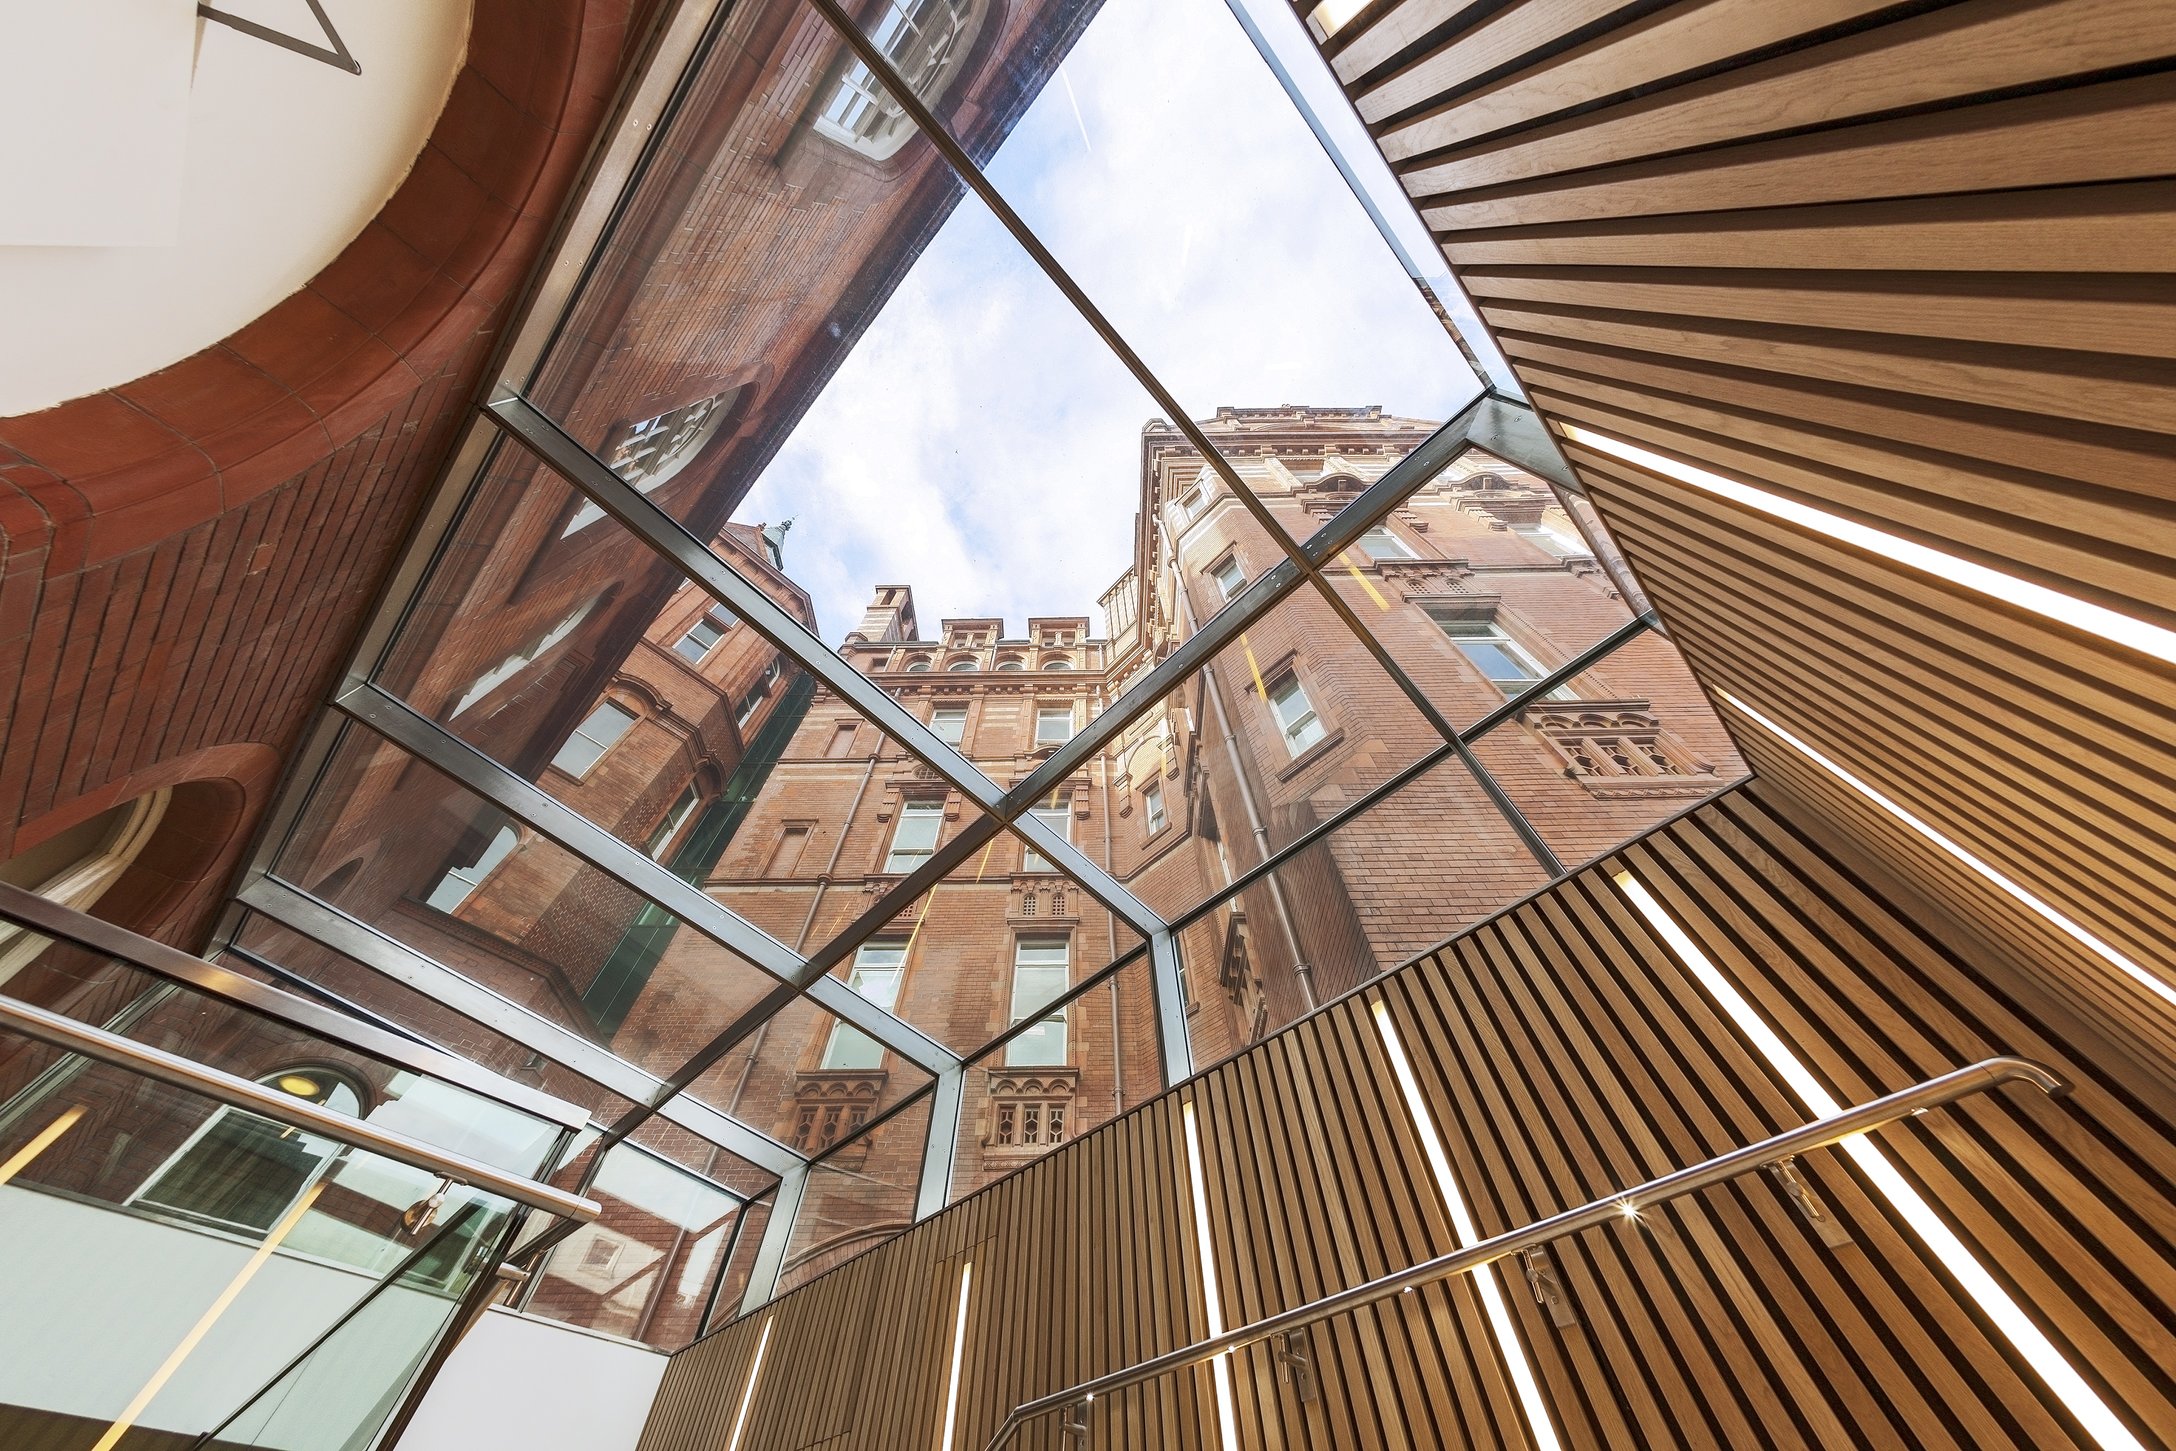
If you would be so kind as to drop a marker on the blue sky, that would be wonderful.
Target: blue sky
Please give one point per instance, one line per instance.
(982, 445)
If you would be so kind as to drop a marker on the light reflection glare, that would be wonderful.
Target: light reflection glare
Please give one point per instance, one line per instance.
(1500, 1322)
(1995, 1302)
(2065, 609)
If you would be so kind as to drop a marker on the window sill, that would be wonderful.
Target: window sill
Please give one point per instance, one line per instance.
(1312, 754)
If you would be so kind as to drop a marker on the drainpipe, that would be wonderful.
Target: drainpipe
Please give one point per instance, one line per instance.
(1300, 969)
(1118, 1059)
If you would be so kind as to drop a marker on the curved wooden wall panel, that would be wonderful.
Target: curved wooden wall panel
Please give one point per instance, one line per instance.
(1564, 1052)
(1911, 264)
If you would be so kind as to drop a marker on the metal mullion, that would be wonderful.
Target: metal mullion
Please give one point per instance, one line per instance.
(405, 727)
(1066, 999)
(1586, 660)
(1060, 852)
(941, 1143)
(299, 912)
(904, 95)
(1338, 533)
(777, 1239)
(1174, 1047)
(697, 561)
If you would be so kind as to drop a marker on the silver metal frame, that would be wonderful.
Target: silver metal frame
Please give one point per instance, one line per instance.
(1959, 1083)
(193, 1077)
(1498, 424)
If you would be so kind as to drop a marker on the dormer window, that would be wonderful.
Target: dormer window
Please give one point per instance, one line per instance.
(927, 41)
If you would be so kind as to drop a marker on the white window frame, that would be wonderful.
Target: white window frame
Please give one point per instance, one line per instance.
(587, 744)
(1045, 713)
(926, 41)
(717, 621)
(1302, 728)
(1553, 539)
(879, 965)
(657, 448)
(1380, 542)
(1152, 806)
(1230, 578)
(676, 816)
(1057, 814)
(904, 856)
(1458, 629)
(1044, 1045)
(954, 716)
(460, 883)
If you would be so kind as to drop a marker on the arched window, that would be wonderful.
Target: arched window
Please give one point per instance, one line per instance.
(918, 665)
(649, 452)
(243, 1171)
(76, 867)
(1011, 662)
(963, 663)
(928, 41)
(1061, 663)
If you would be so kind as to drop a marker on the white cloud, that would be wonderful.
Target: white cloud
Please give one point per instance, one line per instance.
(981, 444)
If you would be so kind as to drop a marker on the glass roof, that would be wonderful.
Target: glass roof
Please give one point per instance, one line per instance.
(987, 587)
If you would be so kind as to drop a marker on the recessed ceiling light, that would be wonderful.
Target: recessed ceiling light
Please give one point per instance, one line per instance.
(2065, 609)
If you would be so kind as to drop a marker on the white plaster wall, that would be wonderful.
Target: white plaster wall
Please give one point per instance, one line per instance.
(518, 1381)
(284, 160)
(93, 1300)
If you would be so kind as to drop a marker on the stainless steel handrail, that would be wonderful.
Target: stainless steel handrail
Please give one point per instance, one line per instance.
(215, 1083)
(1977, 1078)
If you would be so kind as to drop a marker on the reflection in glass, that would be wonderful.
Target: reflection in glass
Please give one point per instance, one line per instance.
(862, 1194)
(1631, 744)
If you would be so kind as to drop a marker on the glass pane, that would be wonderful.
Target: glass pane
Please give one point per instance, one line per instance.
(842, 815)
(1016, 1112)
(139, 1219)
(1634, 745)
(858, 1197)
(1168, 172)
(1278, 730)
(1480, 594)
(619, 689)
(1433, 857)
(384, 835)
(776, 1080)
(1001, 936)
(644, 1269)
(336, 1399)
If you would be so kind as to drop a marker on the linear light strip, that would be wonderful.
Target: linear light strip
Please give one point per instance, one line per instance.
(209, 1318)
(1205, 1252)
(959, 1346)
(2009, 1317)
(1540, 1428)
(2054, 918)
(748, 1394)
(22, 1158)
(2111, 625)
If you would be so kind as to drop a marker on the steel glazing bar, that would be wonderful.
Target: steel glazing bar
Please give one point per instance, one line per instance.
(934, 1188)
(542, 435)
(905, 96)
(300, 912)
(770, 1255)
(1948, 1088)
(1535, 691)
(50, 918)
(394, 719)
(284, 1108)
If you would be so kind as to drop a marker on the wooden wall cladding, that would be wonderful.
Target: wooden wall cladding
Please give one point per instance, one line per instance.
(1911, 264)
(1564, 1053)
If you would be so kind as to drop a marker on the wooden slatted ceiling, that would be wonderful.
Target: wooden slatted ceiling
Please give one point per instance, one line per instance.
(1911, 264)
(1564, 1053)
